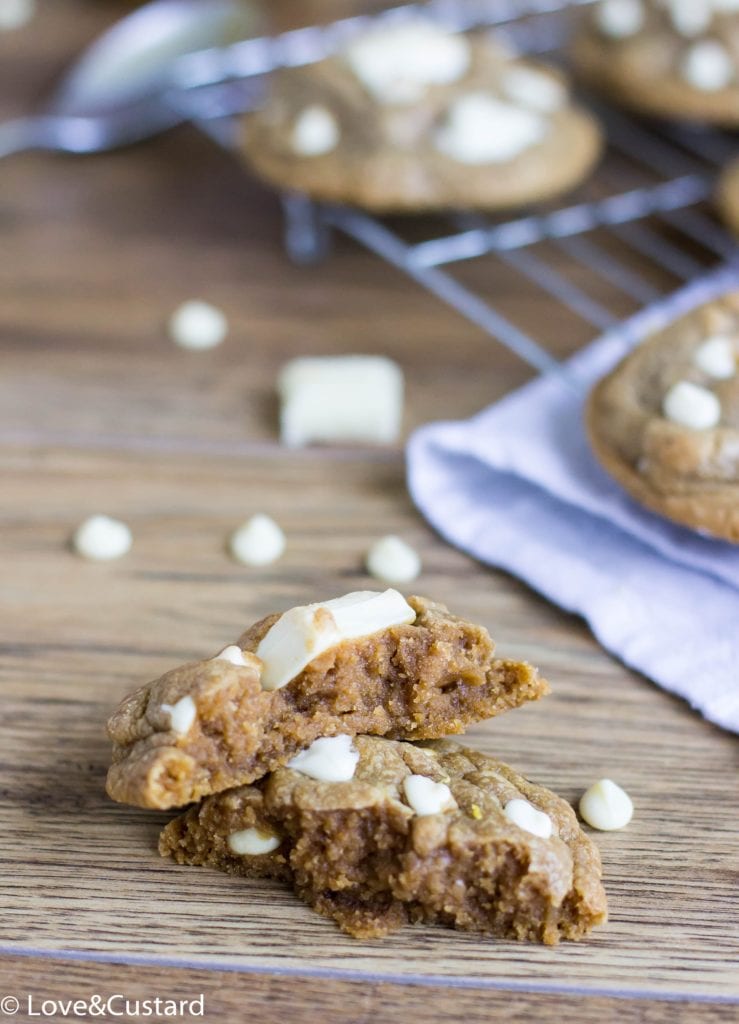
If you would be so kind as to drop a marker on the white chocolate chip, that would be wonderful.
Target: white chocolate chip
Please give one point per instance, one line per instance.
(181, 715)
(315, 132)
(396, 64)
(252, 842)
(331, 759)
(692, 406)
(426, 796)
(708, 66)
(233, 654)
(715, 357)
(197, 326)
(690, 17)
(534, 89)
(15, 13)
(529, 818)
(480, 129)
(260, 541)
(606, 806)
(102, 539)
(391, 560)
(303, 633)
(620, 19)
(340, 398)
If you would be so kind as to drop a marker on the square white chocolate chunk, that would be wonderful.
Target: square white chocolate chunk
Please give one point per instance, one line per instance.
(306, 631)
(340, 398)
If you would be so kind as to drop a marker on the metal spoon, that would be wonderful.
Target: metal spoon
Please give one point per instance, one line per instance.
(117, 91)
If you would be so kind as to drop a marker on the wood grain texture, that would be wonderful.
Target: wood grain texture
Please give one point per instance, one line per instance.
(99, 412)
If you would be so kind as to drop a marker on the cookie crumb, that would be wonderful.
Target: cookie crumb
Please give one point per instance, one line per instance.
(426, 796)
(329, 399)
(529, 818)
(197, 326)
(260, 541)
(330, 759)
(606, 806)
(102, 539)
(392, 560)
(252, 842)
(181, 715)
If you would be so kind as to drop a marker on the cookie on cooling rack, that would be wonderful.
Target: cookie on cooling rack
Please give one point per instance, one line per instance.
(411, 117)
(665, 422)
(666, 58)
(728, 195)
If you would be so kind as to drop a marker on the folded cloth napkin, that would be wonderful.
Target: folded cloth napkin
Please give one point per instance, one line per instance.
(517, 487)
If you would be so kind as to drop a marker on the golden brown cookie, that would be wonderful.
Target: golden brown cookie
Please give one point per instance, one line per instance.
(665, 422)
(438, 833)
(411, 118)
(212, 724)
(667, 58)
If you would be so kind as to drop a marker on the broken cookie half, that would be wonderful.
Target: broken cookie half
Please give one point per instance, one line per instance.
(368, 662)
(437, 833)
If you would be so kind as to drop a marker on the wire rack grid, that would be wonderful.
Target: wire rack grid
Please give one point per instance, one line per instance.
(662, 221)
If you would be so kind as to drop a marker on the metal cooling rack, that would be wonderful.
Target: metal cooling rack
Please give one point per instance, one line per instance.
(661, 222)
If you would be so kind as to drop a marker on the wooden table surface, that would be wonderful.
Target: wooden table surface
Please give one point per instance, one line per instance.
(100, 412)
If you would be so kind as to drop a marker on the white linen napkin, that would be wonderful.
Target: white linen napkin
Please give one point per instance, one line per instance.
(517, 487)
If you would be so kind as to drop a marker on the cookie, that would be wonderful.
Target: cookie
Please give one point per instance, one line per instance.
(665, 421)
(214, 724)
(728, 195)
(410, 117)
(437, 833)
(666, 58)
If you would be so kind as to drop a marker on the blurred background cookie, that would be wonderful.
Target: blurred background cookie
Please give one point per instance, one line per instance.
(411, 117)
(665, 422)
(728, 195)
(667, 58)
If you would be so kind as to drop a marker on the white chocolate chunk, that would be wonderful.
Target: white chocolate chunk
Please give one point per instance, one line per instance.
(315, 132)
(391, 560)
(197, 326)
(606, 806)
(260, 541)
(620, 19)
(303, 633)
(535, 89)
(708, 66)
(716, 358)
(397, 63)
(690, 17)
(480, 129)
(426, 796)
(102, 539)
(331, 759)
(528, 817)
(340, 398)
(15, 13)
(181, 715)
(692, 406)
(252, 841)
(233, 654)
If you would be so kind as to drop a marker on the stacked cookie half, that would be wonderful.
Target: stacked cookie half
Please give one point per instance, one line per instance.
(314, 747)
